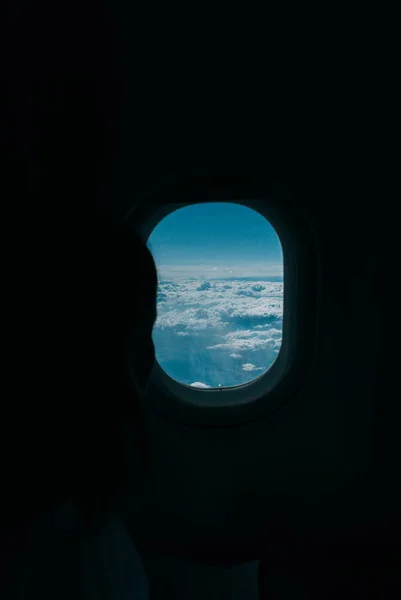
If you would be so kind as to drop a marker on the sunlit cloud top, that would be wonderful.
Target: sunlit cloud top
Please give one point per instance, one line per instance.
(199, 271)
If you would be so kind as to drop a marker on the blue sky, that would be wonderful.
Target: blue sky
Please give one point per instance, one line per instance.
(216, 240)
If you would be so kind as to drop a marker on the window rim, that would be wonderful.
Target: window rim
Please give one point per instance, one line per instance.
(272, 389)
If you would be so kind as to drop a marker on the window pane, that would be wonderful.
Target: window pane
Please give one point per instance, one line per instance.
(220, 296)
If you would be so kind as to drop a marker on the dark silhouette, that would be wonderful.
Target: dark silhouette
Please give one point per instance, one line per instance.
(123, 309)
(95, 452)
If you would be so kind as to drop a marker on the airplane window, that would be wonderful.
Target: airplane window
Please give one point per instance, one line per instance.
(220, 294)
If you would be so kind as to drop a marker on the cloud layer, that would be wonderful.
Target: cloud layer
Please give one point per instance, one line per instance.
(218, 332)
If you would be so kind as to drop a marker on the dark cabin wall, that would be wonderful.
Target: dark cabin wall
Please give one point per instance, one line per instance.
(326, 465)
(287, 468)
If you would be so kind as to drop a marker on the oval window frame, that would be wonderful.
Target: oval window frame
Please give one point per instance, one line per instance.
(271, 390)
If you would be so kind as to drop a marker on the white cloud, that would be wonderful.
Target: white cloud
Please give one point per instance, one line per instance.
(201, 271)
(203, 327)
(191, 306)
(199, 384)
(246, 339)
(206, 285)
(251, 367)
